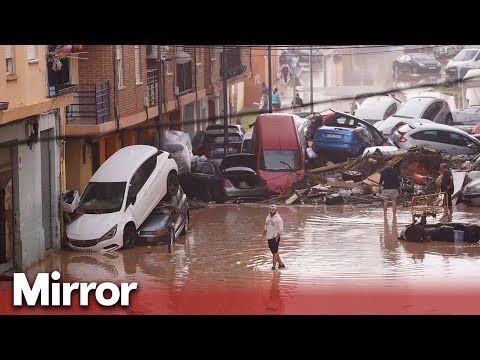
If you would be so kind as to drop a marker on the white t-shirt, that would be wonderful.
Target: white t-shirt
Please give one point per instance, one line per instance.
(273, 226)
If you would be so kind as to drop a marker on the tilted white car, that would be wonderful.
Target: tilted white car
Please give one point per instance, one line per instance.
(120, 196)
(377, 108)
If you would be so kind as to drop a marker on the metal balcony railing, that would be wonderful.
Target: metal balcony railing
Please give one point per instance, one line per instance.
(91, 105)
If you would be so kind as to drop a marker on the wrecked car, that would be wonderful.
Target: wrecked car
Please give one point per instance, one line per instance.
(211, 143)
(471, 193)
(120, 196)
(235, 178)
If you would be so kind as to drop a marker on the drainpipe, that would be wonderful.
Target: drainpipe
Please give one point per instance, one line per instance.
(115, 80)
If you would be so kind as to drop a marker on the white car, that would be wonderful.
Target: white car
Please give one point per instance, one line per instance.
(120, 196)
(443, 138)
(467, 116)
(471, 193)
(468, 58)
(418, 107)
(377, 108)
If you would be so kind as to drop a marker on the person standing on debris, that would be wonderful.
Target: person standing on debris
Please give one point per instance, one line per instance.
(276, 102)
(447, 186)
(273, 229)
(390, 183)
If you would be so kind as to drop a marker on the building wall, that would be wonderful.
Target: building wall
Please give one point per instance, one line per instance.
(29, 83)
(27, 192)
(78, 172)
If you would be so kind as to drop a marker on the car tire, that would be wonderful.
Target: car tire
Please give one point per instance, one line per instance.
(449, 120)
(129, 236)
(187, 224)
(172, 185)
(355, 176)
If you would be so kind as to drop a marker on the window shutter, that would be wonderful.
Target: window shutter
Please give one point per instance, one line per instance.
(8, 51)
(137, 63)
(31, 52)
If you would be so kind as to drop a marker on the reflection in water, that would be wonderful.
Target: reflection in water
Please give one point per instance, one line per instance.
(321, 245)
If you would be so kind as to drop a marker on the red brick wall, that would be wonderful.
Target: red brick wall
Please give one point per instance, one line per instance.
(99, 67)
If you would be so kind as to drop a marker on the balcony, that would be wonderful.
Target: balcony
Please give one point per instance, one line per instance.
(234, 63)
(91, 105)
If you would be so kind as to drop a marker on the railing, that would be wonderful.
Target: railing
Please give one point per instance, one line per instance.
(152, 87)
(91, 105)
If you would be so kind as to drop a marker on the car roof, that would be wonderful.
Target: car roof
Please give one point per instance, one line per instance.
(122, 164)
(414, 106)
(434, 126)
(374, 107)
(278, 131)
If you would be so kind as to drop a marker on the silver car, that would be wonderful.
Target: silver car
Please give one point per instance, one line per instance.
(467, 116)
(377, 108)
(443, 138)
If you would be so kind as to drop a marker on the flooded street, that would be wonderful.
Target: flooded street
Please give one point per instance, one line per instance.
(322, 247)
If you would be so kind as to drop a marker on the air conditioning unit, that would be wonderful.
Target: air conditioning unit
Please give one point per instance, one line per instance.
(177, 90)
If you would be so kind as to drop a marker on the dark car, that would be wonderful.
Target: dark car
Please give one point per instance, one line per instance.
(235, 127)
(234, 178)
(211, 143)
(416, 63)
(167, 221)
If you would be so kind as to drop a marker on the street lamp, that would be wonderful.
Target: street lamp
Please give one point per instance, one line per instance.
(180, 57)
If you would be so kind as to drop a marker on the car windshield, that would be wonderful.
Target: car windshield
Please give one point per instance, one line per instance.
(421, 57)
(102, 197)
(412, 108)
(277, 160)
(465, 55)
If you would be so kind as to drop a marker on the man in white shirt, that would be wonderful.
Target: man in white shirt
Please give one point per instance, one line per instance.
(273, 229)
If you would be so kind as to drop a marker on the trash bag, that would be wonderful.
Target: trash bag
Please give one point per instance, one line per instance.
(179, 145)
(70, 200)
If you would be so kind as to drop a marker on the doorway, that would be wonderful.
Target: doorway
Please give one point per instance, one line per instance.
(6, 206)
(46, 166)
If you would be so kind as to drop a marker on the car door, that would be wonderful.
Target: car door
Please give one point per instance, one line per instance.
(431, 111)
(460, 144)
(140, 200)
(433, 139)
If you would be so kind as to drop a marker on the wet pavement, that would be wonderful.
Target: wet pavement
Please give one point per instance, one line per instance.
(327, 245)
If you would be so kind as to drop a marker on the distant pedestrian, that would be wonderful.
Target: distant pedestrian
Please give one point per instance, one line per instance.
(263, 104)
(285, 72)
(447, 186)
(283, 58)
(390, 183)
(276, 102)
(272, 231)
(297, 102)
(265, 89)
(293, 65)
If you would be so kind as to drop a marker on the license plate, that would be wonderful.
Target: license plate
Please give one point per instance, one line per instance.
(333, 136)
(432, 68)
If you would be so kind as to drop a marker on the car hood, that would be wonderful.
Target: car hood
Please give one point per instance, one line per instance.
(428, 62)
(473, 187)
(92, 226)
(239, 160)
(452, 63)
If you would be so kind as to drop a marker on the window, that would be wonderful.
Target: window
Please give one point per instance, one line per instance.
(340, 121)
(184, 77)
(9, 59)
(392, 109)
(459, 140)
(277, 160)
(141, 176)
(102, 197)
(138, 79)
(119, 63)
(31, 52)
(432, 111)
(427, 135)
(203, 168)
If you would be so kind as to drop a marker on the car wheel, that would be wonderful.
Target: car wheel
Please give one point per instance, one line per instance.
(355, 176)
(185, 227)
(129, 236)
(449, 120)
(172, 184)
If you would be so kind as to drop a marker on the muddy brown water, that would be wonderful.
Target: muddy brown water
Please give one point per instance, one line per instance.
(320, 245)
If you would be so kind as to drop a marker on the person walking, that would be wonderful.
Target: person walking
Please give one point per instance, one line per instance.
(390, 183)
(276, 101)
(297, 102)
(265, 89)
(272, 231)
(285, 69)
(447, 186)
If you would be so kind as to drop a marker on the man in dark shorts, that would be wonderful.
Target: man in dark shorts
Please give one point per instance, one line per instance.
(447, 186)
(272, 230)
(390, 183)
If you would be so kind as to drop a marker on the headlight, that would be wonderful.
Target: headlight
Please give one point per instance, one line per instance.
(110, 234)
(422, 64)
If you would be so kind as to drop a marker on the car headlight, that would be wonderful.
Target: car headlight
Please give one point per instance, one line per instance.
(110, 234)
(422, 64)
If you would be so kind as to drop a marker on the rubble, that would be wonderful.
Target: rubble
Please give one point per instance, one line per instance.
(356, 181)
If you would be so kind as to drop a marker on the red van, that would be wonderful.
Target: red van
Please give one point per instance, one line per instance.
(279, 144)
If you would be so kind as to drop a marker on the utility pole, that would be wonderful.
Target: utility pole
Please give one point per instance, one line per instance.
(269, 58)
(160, 97)
(225, 101)
(311, 80)
(324, 71)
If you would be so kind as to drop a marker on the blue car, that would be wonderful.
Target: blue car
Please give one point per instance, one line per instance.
(337, 144)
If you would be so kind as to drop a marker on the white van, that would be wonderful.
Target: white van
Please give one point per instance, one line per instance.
(465, 60)
(120, 196)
